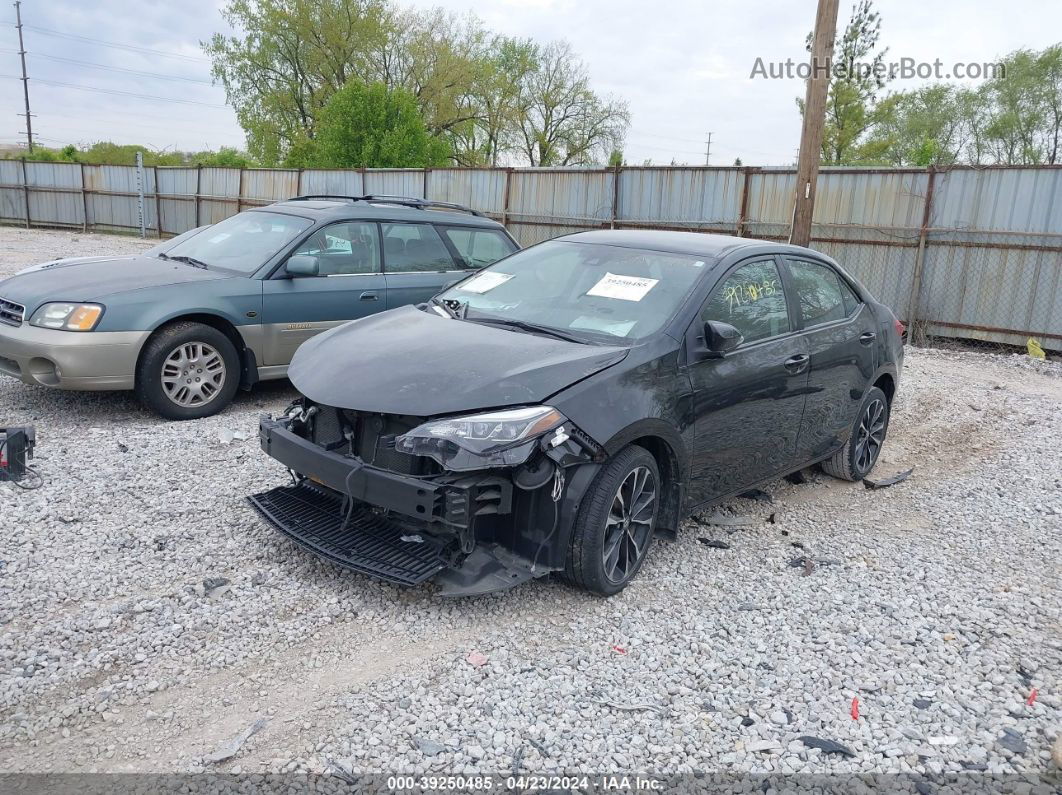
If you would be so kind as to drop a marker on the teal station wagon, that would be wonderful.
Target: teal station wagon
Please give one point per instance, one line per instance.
(190, 321)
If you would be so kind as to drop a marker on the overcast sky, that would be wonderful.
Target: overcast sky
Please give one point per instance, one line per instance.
(683, 65)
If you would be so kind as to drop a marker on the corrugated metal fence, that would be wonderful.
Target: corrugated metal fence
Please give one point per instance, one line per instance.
(964, 252)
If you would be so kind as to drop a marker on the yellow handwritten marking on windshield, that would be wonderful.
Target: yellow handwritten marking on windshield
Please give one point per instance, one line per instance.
(749, 292)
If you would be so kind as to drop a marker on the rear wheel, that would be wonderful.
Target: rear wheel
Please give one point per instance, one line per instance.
(859, 454)
(187, 371)
(615, 526)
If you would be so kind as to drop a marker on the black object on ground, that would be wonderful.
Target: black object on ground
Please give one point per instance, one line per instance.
(899, 477)
(756, 494)
(923, 703)
(797, 478)
(1012, 741)
(826, 746)
(711, 542)
(16, 448)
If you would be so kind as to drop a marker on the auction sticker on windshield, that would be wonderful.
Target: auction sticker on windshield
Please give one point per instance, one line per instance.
(625, 288)
(485, 281)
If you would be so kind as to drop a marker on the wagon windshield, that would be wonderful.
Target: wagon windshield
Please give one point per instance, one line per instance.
(587, 290)
(241, 242)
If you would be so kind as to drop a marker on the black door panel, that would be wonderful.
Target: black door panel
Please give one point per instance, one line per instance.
(840, 333)
(747, 409)
(747, 405)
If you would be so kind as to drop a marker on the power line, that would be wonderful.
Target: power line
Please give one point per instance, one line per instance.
(51, 117)
(121, 93)
(131, 47)
(113, 68)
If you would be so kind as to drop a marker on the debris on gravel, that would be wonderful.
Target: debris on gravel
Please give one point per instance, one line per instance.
(148, 617)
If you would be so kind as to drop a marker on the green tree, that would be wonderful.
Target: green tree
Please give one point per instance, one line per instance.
(495, 102)
(930, 125)
(562, 122)
(288, 58)
(225, 157)
(1023, 122)
(853, 91)
(369, 126)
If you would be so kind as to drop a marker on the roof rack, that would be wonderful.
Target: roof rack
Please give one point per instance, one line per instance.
(404, 201)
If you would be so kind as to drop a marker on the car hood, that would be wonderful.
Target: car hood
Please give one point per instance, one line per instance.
(406, 361)
(95, 278)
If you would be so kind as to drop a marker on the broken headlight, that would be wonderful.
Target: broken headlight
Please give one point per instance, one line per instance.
(479, 441)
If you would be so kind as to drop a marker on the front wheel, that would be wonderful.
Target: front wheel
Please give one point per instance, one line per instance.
(187, 371)
(859, 454)
(615, 526)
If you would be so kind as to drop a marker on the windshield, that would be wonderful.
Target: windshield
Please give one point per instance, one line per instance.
(589, 289)
(241, 242)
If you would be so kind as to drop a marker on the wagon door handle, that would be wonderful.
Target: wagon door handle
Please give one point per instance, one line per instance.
(796, 364)
(867, 337)
(369, 296)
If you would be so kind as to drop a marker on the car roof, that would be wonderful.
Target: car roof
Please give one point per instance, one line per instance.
(700, 244)
(340, 209)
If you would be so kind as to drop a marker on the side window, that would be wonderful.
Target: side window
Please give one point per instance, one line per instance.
(343, 248)
(415, 247)
(478, 247)
(818, 289)
(851, 300)
(751, 299)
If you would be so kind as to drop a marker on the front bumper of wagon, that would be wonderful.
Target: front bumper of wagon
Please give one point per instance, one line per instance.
(88, 360)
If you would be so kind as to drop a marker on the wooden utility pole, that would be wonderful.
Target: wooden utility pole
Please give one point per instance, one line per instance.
(814, 117)
(25, 79)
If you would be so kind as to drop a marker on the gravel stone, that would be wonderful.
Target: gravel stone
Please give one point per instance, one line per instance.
(941, 589)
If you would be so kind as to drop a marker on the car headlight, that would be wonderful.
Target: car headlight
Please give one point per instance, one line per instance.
(69, 317)
(479, 441)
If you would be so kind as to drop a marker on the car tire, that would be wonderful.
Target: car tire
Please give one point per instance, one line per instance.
(856, 459)
(601, 521)
(200, 355)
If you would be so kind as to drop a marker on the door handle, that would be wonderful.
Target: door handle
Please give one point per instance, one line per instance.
(797, 363)
(369, 296)
(867, 337)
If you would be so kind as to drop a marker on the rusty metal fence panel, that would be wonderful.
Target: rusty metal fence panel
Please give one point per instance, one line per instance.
(972, 253)
(545, 203)
(691, 199)
(479, 188)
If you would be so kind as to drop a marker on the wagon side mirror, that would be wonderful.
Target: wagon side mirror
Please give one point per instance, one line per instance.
(720, 338)
(302, 265)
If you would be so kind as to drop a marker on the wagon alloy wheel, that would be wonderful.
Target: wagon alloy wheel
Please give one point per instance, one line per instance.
(871, 435)
(193, 374)
(629, 526)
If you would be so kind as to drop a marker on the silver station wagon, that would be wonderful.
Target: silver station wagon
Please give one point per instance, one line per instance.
(187, 323)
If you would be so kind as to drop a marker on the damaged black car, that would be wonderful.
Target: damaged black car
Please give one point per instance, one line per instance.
(558, 410)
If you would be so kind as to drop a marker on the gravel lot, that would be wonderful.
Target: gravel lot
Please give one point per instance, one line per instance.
(148, 616)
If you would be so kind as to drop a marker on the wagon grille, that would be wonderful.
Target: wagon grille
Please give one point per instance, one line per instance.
(11, 313)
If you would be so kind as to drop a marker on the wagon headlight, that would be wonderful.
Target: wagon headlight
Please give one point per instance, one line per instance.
(69, 317)
(479, 441)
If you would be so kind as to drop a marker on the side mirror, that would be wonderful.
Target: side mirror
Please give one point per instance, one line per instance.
(302, 265)
(720, 338)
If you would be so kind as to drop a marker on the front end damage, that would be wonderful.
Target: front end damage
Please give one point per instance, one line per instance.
(407, 499)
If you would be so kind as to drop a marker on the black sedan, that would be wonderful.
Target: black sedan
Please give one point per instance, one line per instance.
(557, 410)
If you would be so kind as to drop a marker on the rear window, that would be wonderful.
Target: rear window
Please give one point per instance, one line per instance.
(478, 247)
(818, 290)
